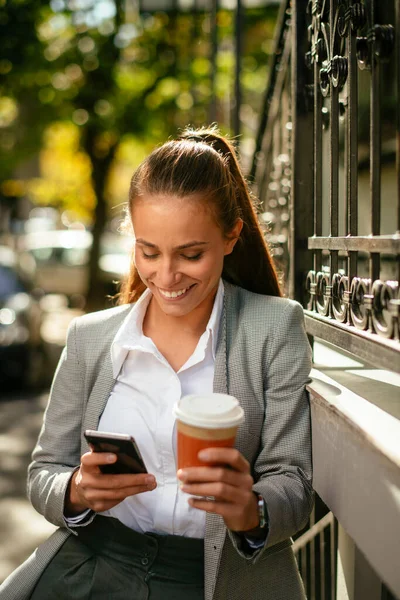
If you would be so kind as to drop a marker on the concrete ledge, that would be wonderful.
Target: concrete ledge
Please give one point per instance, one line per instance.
(356, 453)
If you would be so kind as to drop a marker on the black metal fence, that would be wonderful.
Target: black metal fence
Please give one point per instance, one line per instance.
(316, 553)
(327, 169)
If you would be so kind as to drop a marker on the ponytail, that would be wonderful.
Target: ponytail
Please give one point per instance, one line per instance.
(250, 265)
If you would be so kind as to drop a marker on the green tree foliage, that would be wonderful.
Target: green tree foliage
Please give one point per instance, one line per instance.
(113, 75)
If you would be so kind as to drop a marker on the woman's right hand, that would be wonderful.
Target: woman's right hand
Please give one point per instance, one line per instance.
(90, 488)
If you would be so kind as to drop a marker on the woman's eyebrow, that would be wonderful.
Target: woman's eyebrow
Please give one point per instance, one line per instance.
(144, 243)
(190, 244)
(181, 247)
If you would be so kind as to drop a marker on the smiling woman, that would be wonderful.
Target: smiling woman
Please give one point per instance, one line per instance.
(201, 312)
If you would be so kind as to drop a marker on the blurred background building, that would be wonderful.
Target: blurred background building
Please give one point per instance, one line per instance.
(310, 90)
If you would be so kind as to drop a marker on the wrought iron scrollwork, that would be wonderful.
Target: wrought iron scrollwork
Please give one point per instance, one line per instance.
(379, 40)
(386, 305)
(311, 287)
(340, 297)
(342, 38)
(324, 294)
(327, 48)
(366, 305)
(360, 302)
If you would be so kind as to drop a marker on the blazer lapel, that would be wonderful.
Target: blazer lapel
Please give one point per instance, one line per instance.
(220, 384)
(99, 395)
(215, 528)
(103, 378)
(100, 392)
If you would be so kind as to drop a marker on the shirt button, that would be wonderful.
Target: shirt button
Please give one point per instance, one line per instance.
(145, 561)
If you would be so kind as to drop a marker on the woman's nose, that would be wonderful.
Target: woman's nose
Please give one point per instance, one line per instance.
(167, 274)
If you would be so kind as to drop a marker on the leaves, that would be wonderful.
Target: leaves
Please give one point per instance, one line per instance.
(81, 81)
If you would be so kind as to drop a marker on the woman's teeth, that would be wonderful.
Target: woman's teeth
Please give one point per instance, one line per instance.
(173, 294)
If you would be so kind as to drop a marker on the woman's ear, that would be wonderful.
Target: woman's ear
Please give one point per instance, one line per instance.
(233, 236)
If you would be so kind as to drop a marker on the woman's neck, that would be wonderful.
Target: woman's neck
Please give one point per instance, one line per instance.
(192, 324)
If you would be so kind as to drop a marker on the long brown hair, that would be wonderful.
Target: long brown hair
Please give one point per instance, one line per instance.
(204, 162)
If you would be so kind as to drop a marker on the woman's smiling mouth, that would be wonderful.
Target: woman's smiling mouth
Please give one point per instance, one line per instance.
(173, 295)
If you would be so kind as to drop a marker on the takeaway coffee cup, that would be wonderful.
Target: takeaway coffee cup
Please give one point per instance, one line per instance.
(205, 421)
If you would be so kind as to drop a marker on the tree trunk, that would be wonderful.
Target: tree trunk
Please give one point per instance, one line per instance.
(96, 290)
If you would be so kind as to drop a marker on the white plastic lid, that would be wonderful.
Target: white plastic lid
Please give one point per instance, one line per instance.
(214, 411)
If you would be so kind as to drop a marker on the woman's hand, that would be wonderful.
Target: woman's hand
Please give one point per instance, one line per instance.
(227, 480)
(90, 488)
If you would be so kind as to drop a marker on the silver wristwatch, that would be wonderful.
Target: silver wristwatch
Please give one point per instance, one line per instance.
(262, 512)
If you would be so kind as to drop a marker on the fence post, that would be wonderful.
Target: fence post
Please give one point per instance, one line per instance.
(301, 208)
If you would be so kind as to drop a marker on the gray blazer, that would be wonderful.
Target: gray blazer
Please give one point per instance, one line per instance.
(263, 358)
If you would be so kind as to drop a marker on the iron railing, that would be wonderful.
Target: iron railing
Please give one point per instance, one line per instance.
(316, 554)
(307, 169)
(311, 148)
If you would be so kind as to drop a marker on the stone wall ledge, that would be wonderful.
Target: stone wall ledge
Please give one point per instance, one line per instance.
(356, 457)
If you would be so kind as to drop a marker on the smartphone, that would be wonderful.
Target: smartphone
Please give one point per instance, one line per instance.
(129, 459)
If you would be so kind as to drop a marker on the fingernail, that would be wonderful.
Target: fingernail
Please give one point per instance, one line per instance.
(181, 474)
(150, 480)
(111, 457)
(204, 455)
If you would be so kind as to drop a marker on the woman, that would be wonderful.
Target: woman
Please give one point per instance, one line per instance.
(201, 311)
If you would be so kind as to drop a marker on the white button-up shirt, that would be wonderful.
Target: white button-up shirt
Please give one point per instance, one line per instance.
(141, 403)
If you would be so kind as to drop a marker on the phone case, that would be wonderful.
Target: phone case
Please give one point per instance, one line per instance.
(124, 446)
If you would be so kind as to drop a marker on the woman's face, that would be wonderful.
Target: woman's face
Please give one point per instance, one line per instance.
(179, 251)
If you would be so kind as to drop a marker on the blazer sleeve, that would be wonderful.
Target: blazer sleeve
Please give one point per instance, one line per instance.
(284, 464)
(283, 468)
(57, 452)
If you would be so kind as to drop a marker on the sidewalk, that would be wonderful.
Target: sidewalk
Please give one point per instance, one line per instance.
(21, 527)
(21, 415)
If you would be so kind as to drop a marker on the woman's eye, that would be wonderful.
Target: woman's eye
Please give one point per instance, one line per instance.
(154, 256)
(149, 256)
(194, 257)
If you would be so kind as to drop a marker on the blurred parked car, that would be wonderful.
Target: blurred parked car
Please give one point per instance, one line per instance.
(21, 349)
(62, 259)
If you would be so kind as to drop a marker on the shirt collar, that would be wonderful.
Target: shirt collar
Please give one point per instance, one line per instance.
(130, 335)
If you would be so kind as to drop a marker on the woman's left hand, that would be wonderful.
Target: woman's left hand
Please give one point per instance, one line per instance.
(227, 483)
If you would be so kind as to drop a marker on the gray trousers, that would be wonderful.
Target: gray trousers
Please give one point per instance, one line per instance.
(108, 561)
